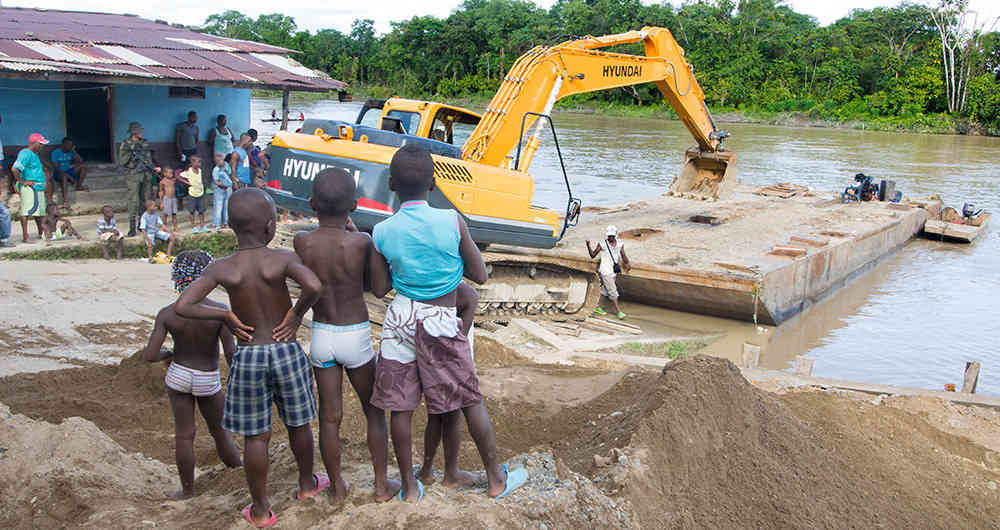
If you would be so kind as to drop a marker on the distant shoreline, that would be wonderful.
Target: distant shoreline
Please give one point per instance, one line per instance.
(923, 124)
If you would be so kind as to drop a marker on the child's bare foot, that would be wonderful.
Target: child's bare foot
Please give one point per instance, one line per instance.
(498, 485)
(181, 494)
(390, 491)
(462, 479)
(340, 490)
(426, 475)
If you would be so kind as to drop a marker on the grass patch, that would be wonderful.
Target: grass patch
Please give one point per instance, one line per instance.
(217, 244)
(671, 350)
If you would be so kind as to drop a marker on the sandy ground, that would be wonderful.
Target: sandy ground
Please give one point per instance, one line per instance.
(89, 441)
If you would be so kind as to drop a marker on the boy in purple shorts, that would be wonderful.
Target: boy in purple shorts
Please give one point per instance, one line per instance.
(424, 351)
(269, 364)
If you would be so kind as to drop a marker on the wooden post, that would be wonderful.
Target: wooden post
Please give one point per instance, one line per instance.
(284, 110)
(803, 366)
(971, 377)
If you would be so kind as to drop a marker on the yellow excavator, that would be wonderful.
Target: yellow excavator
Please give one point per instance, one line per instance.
(481, 161)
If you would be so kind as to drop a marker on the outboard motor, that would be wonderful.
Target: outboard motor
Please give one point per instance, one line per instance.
(969, 211)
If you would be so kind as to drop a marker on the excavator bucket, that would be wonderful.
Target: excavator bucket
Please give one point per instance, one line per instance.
(706, 175)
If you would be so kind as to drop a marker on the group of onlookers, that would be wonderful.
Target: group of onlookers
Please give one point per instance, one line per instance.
(34, 182)
(169, 186)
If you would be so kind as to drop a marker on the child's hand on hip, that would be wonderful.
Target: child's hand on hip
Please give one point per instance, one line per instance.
(241, 330)
(288, 327)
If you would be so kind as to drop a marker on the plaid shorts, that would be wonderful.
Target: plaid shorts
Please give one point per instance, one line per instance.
(264, 373)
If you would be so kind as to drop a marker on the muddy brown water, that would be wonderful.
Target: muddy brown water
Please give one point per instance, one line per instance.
(913, 320)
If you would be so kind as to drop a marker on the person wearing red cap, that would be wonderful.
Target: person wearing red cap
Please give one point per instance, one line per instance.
(31, 178)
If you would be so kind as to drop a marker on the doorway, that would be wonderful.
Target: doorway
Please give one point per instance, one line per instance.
(88, 120)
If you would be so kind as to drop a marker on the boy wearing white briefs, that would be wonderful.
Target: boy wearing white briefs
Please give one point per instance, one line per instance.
(342, 258)
(193, 374)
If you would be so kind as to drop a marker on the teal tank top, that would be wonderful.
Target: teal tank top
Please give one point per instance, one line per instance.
(223, 142)
(421, 245)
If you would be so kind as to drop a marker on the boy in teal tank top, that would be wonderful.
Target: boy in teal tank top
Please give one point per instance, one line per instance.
(427, 252)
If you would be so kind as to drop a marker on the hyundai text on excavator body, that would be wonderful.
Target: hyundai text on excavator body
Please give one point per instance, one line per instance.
(481, 162)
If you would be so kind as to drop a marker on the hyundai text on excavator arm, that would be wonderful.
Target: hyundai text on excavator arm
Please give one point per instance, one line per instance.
(482, 172)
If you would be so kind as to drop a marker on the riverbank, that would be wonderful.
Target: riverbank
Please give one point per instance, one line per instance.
(822, 116)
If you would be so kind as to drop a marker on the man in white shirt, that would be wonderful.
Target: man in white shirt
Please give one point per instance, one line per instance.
(613, 262)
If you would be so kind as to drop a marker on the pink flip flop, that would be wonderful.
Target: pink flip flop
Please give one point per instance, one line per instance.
(271, 521)
(322, 483)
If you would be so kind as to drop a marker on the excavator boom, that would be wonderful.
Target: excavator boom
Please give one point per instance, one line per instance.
(547, 74)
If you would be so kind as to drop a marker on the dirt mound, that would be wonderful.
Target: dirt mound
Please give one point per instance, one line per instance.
(705, 449)
(59, 475)
(127, 401)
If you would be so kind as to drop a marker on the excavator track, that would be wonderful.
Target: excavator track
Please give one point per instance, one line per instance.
(519, 285)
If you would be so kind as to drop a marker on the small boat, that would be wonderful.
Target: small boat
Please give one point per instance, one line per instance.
(958, 228)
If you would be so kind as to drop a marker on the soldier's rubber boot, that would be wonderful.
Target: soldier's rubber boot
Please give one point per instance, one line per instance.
(131, 226)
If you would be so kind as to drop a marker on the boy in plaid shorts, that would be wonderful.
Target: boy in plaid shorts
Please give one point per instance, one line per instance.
(424, 352)
(269, 364)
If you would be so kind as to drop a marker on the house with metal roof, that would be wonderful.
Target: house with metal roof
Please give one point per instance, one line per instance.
(87, 75)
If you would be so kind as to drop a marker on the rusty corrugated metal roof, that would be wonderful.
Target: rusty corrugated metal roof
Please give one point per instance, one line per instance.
(82, 43)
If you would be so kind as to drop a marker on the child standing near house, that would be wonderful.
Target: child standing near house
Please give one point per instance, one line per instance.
(193, 375)
(168, 195)
(196, 193)
(222, 179)
(423, 351)
(152, 226)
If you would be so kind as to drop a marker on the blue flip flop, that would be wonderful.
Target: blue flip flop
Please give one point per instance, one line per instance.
(420, 491)
(515, 479)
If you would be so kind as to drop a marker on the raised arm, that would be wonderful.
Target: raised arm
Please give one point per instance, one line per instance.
(475, 267)
(190, 305)
(593, 251)
(154, 351)
(310, 285)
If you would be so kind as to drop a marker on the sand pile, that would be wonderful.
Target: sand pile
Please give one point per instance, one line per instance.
(696, 446)
(127, 401)
(705, 449)
(71, 473)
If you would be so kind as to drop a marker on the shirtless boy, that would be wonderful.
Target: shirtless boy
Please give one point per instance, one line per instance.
(55, 226)
(193, 375)
(341, 336)
(269, 364)
(423, 350)
(168, 196)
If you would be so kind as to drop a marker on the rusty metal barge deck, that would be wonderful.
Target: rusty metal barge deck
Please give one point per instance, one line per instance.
(749, 257)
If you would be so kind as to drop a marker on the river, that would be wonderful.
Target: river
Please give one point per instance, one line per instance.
(914, 320)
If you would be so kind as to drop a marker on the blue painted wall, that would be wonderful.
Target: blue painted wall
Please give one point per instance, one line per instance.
(160, 114)
(32, 106)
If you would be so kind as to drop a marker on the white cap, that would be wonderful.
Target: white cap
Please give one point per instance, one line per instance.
(612, 231)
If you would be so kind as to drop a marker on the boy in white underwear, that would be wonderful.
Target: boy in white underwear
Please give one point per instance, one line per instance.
(341, 337)
(193, 374)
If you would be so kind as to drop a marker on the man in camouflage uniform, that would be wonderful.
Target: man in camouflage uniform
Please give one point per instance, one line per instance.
(135, 156)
